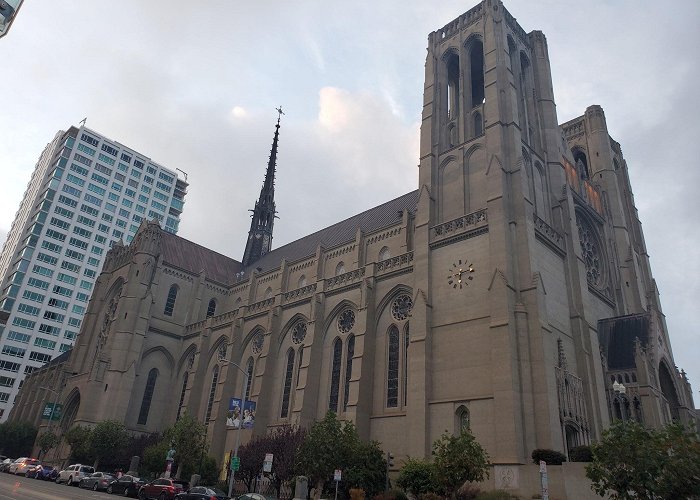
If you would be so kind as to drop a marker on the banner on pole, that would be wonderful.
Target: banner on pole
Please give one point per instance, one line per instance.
(236, 417)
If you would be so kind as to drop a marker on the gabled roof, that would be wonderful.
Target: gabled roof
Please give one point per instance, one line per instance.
(184, 254)
(375, 218)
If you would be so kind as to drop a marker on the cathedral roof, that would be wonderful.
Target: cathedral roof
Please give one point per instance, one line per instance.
(189, 256)
(345, 231)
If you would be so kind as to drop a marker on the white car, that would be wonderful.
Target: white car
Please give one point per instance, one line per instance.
(73, 474)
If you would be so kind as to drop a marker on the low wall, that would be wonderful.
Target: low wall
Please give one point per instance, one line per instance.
(566, 482)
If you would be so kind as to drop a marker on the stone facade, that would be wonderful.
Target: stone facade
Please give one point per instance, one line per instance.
(505, 294)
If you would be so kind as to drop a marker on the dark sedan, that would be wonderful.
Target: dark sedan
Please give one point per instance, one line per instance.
(125, 485)
(96, 481)
(202, 493)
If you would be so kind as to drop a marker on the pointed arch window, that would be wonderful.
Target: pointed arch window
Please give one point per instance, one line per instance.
(249, 372)
(452, 86)
(463, 422)
(286, 392)
(335, 375)
(211, 308)
(147, 396)
(170, 302)
(405, 364)
(392, 391)
(478, 125)
(339, 269)
(476, 66)
(212, 392)
(348, 370)
(182, 394)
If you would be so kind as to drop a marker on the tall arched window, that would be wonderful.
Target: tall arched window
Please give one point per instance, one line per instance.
(392, 376)
(476, 66)
(249, 372)
(147, 396)
(170, 302)
(405, 364)
(348, 370)
(286, 392)
(463, 419)
(335, 375)
(182, 394)
(212, 392)
(211, 308)
(452, 86)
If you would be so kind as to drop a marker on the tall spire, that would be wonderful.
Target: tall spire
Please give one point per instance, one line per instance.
(260, 234)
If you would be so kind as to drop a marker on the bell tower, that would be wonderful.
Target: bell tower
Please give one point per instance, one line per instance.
(490, 174)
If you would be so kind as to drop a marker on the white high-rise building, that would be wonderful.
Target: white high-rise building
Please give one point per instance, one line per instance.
(86, 193)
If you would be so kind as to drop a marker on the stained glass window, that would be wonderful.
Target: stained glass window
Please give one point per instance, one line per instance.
(170, 302)
(212, 391)
(287, 384)
(348, 370)
(335, 375)
(182, 394)
(392, 393)
(405, 364)
(249, 371)
(147, 396)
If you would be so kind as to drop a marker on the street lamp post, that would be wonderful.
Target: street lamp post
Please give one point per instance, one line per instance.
(240, 423)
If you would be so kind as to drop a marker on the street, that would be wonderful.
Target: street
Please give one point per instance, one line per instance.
(21, 488)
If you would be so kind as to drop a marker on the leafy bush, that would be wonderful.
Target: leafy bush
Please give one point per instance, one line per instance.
(551, 457)
(468, 492)
(430, 496)
(417, 477)
(494, 495)
(581, 453)
(390, 495)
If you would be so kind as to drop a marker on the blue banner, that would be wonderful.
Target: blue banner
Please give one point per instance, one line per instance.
(235, 417)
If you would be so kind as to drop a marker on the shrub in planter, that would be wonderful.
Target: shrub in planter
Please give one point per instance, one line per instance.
(551, 457)
(581, 454)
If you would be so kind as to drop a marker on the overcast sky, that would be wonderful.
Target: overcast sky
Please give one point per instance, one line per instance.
(193, 85)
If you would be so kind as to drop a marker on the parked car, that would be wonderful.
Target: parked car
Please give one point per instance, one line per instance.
(45, 472)
(252, 496)
(73, 474)
(5, 464)
(126, 485)
(20, 466)
(96, 481)
(202, 493)
(162, 489)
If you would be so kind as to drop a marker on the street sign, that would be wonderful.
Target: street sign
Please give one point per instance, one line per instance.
(267, 466)
(235, 463)
(337, 475)
(269, 457)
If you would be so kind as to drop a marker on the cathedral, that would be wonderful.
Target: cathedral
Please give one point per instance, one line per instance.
(511, 293)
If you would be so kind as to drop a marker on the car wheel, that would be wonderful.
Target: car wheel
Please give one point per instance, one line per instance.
(70, 481)
(162, 496)
(142, 495)
(94, 487)
(58, 480)
(126, 492)
(109, 489)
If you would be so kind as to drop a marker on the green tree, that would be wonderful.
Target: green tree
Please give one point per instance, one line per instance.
(418, 477)
(17, 438)
(153, 463)
(78, 438)
(189, 439)
(107, 437)
(459, 459)
(632, 462)
(46, 441)
(331, 445)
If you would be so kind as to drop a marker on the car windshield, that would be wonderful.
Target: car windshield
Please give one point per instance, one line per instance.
(180, 484)
(218, 493)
